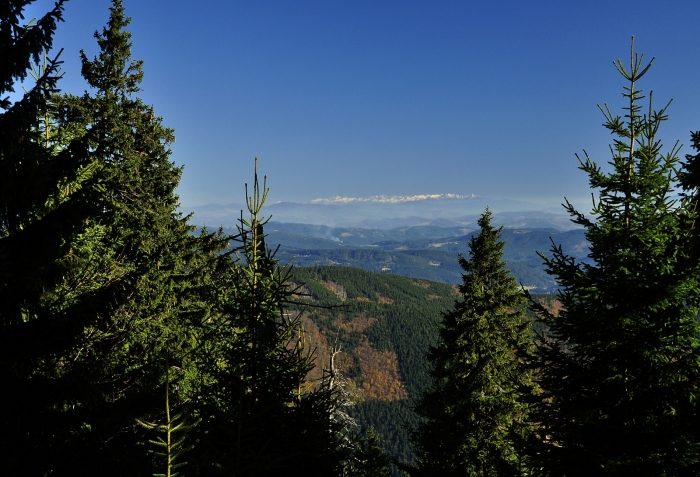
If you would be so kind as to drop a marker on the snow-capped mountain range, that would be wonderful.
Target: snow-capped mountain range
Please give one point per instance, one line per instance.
(386, 212)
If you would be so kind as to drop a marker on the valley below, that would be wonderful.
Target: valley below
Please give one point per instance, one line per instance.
(420, 251)
(376, 295)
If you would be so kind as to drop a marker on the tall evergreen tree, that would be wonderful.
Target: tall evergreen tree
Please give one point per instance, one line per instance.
(139, 246)
(46, 195)
(474, 420)
(99, 277)
(620, 364)
(260, 415)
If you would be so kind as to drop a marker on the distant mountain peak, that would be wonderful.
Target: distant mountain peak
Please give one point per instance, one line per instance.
(392, 199)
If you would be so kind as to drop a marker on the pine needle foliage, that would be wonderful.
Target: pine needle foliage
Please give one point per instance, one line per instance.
(139, 247)
(689, 174)
(47, 194)
(260, 413)
(621, 362)
(474, 419)
(252, 366)
(167, 445)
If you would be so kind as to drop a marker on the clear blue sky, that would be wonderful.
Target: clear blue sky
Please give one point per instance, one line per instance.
(361, 98)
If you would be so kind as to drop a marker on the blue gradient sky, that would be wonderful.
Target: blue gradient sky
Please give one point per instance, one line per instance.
(365, 98)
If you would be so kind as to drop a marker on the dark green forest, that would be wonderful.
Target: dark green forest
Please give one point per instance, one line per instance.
(135, 343)
(394, 315)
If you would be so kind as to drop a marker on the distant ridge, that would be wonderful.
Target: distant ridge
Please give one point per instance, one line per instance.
(386, 212)
(393, 199)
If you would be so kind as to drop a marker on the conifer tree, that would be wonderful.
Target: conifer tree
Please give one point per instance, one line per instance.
(169, 444)
(620, 363)
(251, 370)
(368, 458)
(689, 175)
(46, 195)
(473, 417)
(100, 276)
(260, 414)
(139, 247)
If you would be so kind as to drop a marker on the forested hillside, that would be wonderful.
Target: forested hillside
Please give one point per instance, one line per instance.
(384, 324)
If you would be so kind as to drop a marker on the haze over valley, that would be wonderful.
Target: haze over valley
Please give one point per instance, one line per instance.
(386, 212)
(415, 236)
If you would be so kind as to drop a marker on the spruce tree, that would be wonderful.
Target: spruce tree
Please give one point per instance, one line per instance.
(250, 372)
(139, 247)
(621, 362)
(169, 444)
(261, 415)
(102, 281)
(46, 195)
(473, 417)
(690, 171)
